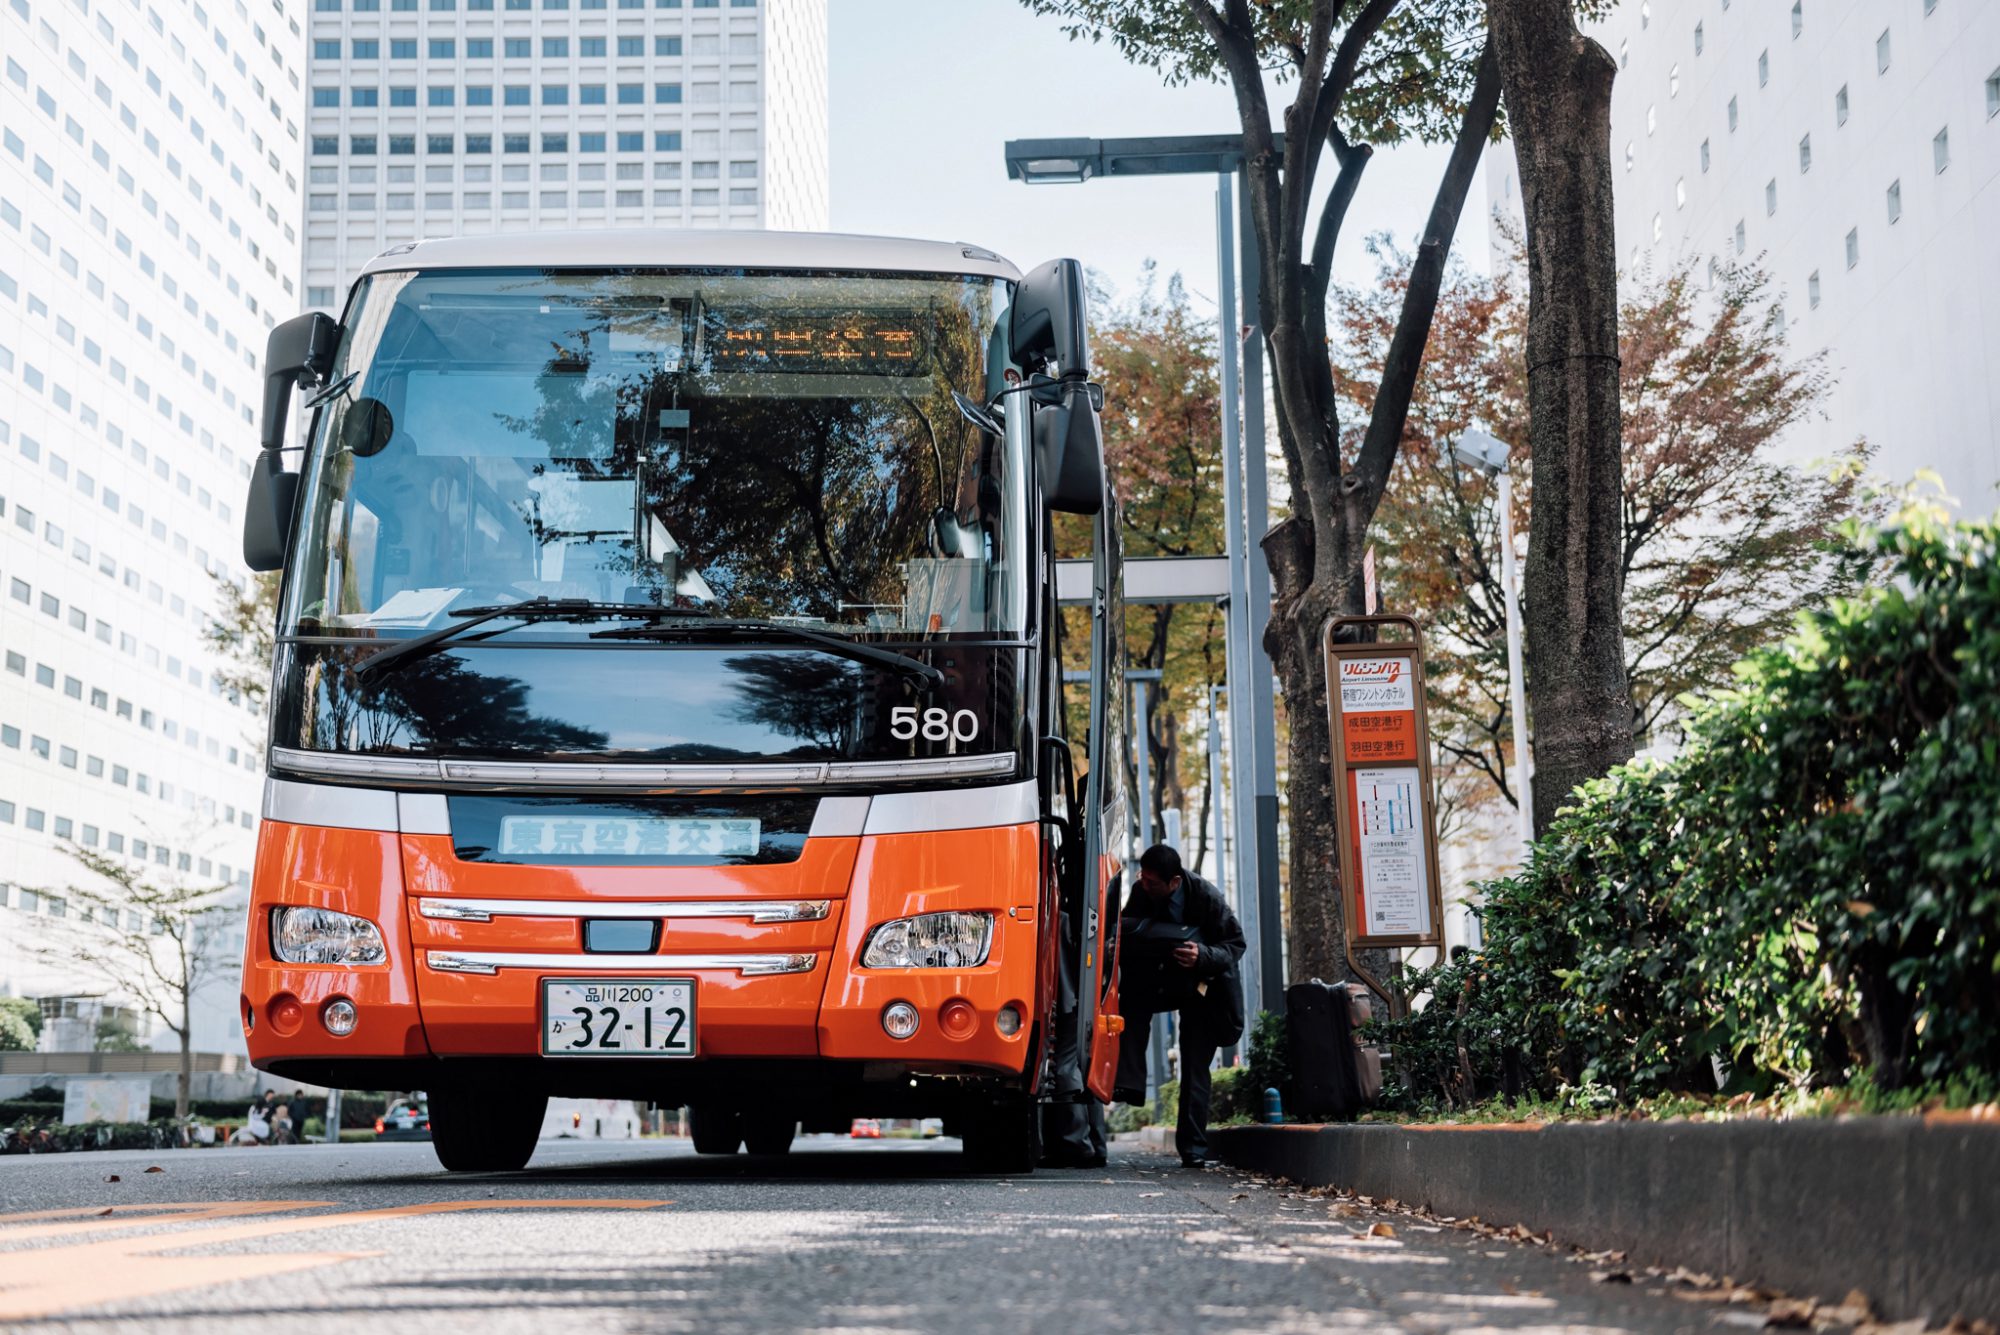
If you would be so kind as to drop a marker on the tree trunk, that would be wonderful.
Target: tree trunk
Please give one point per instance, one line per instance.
(1557, 86)
(183, 1086)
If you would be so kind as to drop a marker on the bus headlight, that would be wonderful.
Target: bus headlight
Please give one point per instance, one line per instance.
(930, 941)
(301, 935)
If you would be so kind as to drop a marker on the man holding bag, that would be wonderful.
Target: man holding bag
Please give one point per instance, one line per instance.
(1178, 949)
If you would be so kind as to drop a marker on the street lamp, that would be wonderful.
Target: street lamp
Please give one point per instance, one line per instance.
(1252, 707)
(1484, 453)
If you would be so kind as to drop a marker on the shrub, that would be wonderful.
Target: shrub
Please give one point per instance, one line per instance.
(1808, 893)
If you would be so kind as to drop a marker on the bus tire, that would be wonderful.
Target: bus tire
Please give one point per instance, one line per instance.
(484, 1129)
(768, 1133)
(714, 1130)
(1002, 1138)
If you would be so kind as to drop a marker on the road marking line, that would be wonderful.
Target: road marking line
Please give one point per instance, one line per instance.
(129, 1216)
(41, 1281)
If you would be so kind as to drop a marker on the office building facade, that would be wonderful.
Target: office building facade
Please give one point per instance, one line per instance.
(444, 117)
(1852, 149)
(150, 197)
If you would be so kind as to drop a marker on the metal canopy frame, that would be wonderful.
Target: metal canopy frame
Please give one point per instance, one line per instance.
(1252, 706)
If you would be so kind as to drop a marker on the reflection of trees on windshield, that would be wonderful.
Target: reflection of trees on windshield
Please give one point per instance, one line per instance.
(445, 704)
(803, 696)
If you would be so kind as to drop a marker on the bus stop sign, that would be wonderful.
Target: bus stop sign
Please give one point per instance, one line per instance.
(1387, 826)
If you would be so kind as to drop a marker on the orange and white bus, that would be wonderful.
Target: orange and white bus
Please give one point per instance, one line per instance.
(668, 699)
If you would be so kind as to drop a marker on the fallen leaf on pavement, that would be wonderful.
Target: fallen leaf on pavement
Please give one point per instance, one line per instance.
(1852, 1311)
(114, 1178)
(1507, 1287)
(1148, 1195)
(1240, 1196)
(105, 1211)
(1912, 1327)
(1611, 1276)
(1381, 1231)
(156, 1169)
(1790, 1314)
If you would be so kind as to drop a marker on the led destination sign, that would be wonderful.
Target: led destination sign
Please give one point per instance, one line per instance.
(858, 344)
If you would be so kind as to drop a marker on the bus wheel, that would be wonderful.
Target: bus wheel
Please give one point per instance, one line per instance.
(485, 1129)
(768, 1133)
(714, 1130)
(1001, 1138)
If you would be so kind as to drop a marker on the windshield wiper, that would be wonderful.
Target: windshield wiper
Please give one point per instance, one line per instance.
(531, 609)
(669, 623)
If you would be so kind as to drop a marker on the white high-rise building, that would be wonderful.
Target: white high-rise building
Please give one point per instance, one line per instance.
(1852, 148)
(445, 117)
(149, 217)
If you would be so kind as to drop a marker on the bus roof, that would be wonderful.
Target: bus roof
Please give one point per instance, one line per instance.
(663, 247)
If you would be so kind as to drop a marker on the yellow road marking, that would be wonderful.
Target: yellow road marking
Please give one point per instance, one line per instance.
(97, 1220)
(42, 1281)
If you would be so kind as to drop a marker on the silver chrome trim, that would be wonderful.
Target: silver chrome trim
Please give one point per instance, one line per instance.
(756, 910)
(490, 962)
(952, 809)
(423, 813)
(437, 772)
(324, 805)
(835, 816)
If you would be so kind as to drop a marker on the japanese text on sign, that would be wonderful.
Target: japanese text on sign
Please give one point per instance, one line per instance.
(681, 837)
(1370, 684)
(1389, 839)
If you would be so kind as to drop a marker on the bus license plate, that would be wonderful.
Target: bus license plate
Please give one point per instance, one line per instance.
(618, 1017)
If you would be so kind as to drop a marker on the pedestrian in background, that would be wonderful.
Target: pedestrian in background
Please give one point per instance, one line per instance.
(1178, 949)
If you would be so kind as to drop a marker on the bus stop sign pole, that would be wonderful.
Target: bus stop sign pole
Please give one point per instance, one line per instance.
(1385, 817)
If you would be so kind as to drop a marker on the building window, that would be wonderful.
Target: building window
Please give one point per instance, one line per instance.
(1930, 7)
(1853, 247)
(1659, 227)
(1704, 156)
(438, 143)
(1993, 94)
(555, 46)
(1652, 120)
(1798, 17)
(479, 95)
(666, 92)
(517, 95)
(1624, 54)
(1732, 115)
(1631, 155)
(555, 142)
(1763, 68)
(666, 46)
(402, 145)
(666, 141)
(444, 48)
(479, 48)
(1941, 149)
(319, 296)
(1895, 200)
(1805, 154)
(402, 48)
(1681, 193)
(326, 97)
(631, 93)
(517, 48)
(590, 94)
(1645, 14)
(1812, 289)
(365, 48)
(1698, 40)
(1882, 52)
(631, 141)
(361, 145)
(1742, 238)
(555, 94)
(1674, 82)
(515, 143)
(402, 97)
(1840, 106)
(479, 144)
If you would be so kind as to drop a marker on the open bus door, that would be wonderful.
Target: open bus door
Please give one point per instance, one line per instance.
(1105, 816)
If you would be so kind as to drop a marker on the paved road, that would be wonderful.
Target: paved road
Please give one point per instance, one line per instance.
(646, 1237)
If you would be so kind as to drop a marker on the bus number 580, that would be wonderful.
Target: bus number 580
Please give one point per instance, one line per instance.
(933, 725)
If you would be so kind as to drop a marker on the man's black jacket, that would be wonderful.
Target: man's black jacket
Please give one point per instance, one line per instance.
(1149, 982)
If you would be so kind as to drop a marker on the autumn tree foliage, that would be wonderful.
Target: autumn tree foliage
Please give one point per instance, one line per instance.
(1722, 540)
(1157, 360)
(1337, 78)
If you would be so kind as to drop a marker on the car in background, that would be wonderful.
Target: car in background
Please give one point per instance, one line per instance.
(405, 1119)
(930, 1128)
(865, 1128)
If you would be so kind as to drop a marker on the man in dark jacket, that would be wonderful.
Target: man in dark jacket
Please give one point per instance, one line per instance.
(1178, 948)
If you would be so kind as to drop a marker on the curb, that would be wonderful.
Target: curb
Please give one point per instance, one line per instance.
(1904, 1209)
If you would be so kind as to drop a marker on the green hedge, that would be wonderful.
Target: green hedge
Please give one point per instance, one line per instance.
(1808, 894)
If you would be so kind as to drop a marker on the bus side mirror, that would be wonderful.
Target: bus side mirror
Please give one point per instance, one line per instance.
(1048, 321)
(267, 515)
(1069, 450)
(301, 348)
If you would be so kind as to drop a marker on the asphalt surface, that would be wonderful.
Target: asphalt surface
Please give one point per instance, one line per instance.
(858, 1237)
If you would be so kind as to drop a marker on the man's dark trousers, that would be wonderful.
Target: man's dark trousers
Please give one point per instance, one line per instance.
(1198, 1050)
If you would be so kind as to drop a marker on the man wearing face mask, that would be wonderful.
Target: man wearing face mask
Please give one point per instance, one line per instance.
(1179, 945)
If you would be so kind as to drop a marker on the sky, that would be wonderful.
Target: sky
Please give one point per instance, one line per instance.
(924, 93)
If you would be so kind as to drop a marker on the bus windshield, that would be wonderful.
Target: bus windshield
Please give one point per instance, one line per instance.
(770, 446)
